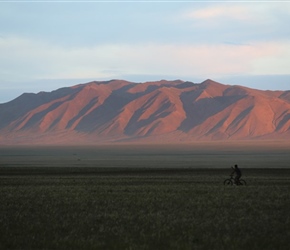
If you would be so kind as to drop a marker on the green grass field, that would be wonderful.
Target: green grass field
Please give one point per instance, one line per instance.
(134, 202)
(143, 209)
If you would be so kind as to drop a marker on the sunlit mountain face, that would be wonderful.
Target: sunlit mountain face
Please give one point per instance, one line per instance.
(161, 111)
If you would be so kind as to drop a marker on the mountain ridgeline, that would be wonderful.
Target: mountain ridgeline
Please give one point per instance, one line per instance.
(158, 112)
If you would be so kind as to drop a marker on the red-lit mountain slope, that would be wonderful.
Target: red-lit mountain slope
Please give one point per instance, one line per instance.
(163, 111)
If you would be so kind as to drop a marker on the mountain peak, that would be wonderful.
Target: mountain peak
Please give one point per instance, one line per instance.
(210, 82)
(102, 111)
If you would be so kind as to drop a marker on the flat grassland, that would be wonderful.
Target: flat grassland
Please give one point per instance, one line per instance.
(144, 197)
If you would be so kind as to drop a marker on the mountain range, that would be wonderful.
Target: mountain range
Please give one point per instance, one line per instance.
(151, 112)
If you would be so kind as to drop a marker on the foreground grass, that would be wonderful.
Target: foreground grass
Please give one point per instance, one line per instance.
(143, 209)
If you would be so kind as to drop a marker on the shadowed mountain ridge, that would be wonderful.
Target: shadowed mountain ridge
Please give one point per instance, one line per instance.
(161, 111)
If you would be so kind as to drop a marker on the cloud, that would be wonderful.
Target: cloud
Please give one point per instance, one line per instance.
(24, 59)
(219, 11)
(238, 11)
(275, 62)
(243, 17)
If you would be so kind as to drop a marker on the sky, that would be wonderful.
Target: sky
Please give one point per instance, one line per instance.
(46, 45)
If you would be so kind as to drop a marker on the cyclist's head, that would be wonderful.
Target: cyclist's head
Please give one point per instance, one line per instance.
(236, 166)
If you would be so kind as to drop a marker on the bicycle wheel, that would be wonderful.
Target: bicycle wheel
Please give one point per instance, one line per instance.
(228, 182)
(243, 182)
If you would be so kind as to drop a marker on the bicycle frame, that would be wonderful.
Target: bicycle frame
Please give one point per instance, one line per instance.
(232, 181)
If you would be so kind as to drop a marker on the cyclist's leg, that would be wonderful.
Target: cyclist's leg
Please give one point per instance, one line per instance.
(238, 179)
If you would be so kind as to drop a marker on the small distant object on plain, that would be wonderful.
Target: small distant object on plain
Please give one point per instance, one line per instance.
(237, 179)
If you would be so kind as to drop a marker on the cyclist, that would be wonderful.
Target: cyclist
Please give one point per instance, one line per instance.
(238, 173)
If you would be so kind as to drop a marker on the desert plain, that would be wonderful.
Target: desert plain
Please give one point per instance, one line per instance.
(213, 155)
(133, 196)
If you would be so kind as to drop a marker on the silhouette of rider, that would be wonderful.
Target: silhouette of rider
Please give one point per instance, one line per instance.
(237, 172)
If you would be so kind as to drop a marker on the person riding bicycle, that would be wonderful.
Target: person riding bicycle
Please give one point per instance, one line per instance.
(237, 172)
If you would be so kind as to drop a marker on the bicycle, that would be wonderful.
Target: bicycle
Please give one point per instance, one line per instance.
(231, 181)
